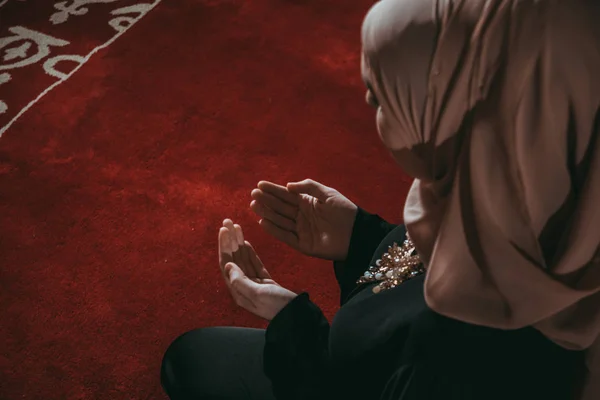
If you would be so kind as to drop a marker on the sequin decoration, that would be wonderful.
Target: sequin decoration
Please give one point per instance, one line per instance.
(398, 265)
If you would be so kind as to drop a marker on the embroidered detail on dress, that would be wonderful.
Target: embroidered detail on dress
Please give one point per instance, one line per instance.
(398, 265)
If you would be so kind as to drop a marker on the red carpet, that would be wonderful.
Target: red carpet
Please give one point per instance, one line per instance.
(114, 184)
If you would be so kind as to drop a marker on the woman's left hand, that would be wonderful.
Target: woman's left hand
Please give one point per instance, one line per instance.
(248, 280)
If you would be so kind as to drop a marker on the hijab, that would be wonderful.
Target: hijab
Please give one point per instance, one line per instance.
(493, 106)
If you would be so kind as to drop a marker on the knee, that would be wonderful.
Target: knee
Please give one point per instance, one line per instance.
(167, 374)
(182, 359)
(173, 364)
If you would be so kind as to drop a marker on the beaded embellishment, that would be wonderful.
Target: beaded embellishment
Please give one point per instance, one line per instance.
(398, 265)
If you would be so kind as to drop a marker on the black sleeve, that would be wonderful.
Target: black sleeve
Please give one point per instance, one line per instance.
(367, 233)
(296, 353)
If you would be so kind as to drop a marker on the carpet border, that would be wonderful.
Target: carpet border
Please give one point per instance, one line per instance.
(85, 60)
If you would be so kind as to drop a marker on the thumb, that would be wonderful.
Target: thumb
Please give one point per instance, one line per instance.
(231, 269)
(310, 187)
(234, 272)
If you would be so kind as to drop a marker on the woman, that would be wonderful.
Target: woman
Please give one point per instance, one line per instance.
(492, 106)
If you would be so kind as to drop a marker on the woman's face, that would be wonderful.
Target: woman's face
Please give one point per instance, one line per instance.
(372, 101)
(389, 131)
(385, 129)
(370, 97)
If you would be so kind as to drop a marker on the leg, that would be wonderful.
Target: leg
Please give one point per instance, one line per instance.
(223, 363)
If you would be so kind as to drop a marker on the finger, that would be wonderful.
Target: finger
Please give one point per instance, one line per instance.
(289, 238)
(258, 266)
(235, 247)
(234, 243)
(310, 187)
(243, 256)
(225, 255)
(239, 234)
(278, 219)
(279, 206)
(234, 272)
(279, 191)
(225, 248)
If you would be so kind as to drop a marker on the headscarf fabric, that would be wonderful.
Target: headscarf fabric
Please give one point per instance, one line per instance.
(493, 106)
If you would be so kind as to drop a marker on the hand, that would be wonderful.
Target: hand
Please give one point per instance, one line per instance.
(248, 280)
(308, 216)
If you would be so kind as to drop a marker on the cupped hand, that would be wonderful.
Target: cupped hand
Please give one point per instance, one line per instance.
(248, 280)
(308, 216)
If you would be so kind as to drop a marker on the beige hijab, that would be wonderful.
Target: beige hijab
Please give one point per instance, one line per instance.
(493, 106)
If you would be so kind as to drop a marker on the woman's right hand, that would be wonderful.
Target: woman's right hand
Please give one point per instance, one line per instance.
(308, 216)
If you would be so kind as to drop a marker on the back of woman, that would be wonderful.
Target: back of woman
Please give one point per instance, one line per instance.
(491, 287)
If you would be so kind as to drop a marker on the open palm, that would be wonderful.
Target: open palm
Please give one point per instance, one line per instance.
(308, 216)
(247, 279)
